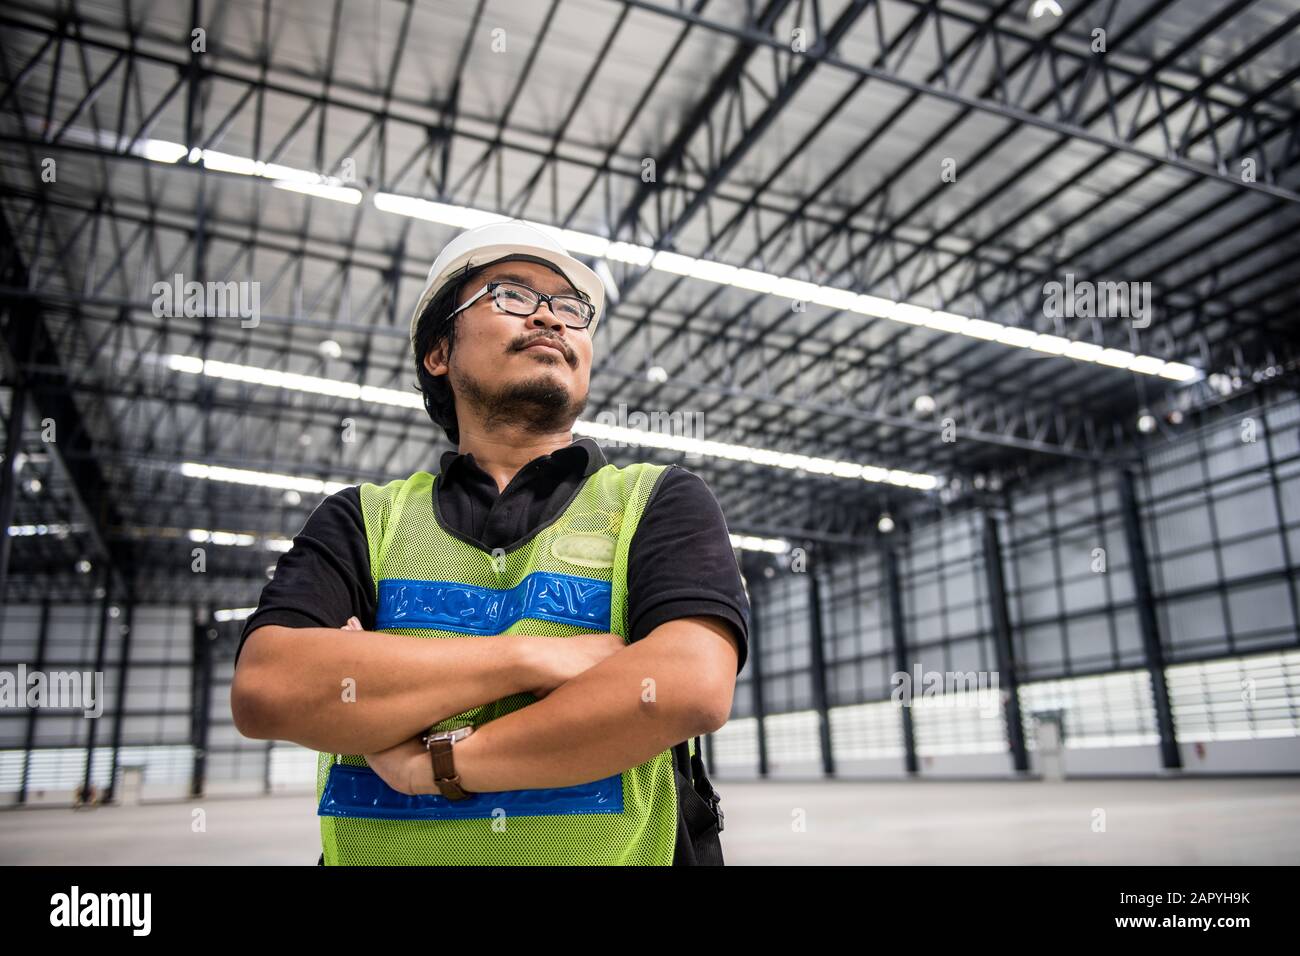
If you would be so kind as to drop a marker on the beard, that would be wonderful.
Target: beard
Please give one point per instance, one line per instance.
(538, 404)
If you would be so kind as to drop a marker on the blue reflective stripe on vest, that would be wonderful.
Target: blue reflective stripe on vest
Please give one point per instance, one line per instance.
(471, 609)
(360, 792)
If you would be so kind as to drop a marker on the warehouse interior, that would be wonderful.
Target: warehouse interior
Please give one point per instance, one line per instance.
(978, 317)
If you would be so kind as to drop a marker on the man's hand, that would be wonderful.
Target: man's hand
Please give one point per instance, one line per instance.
(554, 660)
(406, 768)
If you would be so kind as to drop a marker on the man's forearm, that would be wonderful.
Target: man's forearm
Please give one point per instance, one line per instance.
(362, 691)
(605, 720)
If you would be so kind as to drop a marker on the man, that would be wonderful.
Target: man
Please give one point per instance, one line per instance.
(591, 618)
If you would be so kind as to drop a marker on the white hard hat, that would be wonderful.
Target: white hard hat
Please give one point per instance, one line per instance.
(482, 245)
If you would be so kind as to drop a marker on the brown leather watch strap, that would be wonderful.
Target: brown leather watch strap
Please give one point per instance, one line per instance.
(444, 770)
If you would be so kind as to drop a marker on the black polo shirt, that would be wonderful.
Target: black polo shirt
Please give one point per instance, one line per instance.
(680, 562)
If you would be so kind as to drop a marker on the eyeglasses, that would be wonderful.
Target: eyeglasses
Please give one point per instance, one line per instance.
(518, 299)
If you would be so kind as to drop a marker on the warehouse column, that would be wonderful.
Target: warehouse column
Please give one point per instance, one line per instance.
(1006, 655)
(269, 753)
(42, 637)
(1146, 615)
(123, 669)
(901, 662)
(754, 574)
(760, 705)
(101, 648)
(201, 696)
(820, 701)
(9, 477)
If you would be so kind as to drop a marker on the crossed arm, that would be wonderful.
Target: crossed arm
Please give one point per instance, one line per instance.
(675, 683)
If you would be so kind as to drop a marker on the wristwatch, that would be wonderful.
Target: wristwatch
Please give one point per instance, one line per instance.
(439, 743)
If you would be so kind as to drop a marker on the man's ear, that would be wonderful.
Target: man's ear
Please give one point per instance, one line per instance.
(435, 363)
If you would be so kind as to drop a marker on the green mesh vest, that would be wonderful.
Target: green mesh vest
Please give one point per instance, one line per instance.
(569, 577)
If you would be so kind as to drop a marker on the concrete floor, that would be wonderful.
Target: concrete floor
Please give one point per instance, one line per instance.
(1242, 821)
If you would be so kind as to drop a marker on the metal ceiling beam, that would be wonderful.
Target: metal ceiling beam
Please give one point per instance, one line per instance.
(725, 87)
(346, 275)
(936, 340)
(807, 250)
(1005, 111)
(702, 377)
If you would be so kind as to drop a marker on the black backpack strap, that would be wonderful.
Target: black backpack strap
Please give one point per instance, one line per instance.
(700, 815)
(702, 786)
(686, 760)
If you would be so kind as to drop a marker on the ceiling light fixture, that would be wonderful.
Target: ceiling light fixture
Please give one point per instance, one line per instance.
(318, 385)
(465, 217)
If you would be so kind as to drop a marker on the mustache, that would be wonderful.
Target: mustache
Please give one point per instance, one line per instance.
(563, 346)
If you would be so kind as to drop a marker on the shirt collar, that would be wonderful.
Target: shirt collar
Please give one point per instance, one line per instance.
(584, 452)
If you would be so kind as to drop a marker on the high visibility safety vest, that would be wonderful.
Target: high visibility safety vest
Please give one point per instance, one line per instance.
(569, 577)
